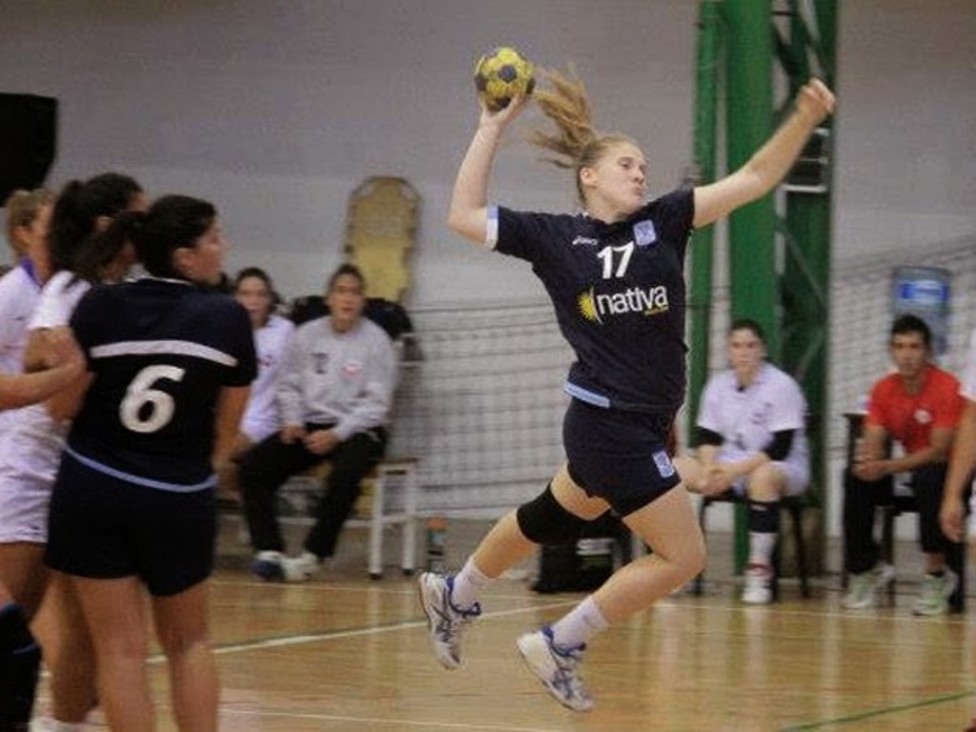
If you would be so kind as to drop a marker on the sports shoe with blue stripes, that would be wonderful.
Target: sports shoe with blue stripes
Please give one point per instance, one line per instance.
(556, 669)
(444, 621)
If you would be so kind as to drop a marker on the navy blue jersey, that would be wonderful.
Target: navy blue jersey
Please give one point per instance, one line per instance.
(619, 294)
(160, 351)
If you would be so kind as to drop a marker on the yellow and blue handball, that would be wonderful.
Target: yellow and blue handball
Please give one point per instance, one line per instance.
(501, 75)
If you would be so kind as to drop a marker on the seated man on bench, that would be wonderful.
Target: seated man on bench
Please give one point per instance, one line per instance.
(919, 406)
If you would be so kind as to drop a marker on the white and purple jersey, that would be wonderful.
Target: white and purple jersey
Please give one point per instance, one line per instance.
(34, 441)
(20, 289)
(619, 295)
(160, 351)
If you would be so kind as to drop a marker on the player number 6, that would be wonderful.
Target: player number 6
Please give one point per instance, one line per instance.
(132, 410)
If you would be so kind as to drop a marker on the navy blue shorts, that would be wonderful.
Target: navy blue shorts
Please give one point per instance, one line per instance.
(619, 456)
(106, 528)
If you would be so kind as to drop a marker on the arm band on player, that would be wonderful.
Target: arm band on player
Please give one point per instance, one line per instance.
(707, 437)
(780, 447)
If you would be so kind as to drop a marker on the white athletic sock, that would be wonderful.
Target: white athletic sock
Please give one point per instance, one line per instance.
(761, 548)
(49, 724)
(579, 625)
(468, 584)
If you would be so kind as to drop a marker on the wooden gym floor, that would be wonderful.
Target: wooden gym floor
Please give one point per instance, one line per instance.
(348, 654)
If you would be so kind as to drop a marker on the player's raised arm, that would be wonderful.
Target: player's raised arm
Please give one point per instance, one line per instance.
(468, 212)
(504, 80)
(767, 167)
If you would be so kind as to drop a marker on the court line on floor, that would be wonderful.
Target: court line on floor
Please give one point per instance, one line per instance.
(875, 713)
(388, 722)
(294, 640)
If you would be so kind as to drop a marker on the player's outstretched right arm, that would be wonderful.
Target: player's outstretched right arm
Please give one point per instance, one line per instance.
(468, 212)
(770, 164)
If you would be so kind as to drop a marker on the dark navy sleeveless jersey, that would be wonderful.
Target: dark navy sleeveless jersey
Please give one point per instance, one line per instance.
(619, 294)
(160, 351)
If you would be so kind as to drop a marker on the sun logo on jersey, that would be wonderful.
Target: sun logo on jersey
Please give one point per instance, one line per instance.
(646, 301)
(587, 306)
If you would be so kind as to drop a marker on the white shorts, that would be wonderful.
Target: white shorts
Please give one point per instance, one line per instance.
(28, 466)
(797, 476)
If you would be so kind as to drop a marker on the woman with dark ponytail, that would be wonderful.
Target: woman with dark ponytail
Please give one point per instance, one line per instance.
(87, 243)
(170, 364)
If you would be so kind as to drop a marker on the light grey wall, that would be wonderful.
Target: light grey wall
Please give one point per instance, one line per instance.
(906, 124)
(277, 110)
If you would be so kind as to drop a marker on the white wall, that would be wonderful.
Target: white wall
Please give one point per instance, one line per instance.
(906, 125)
(277, 110)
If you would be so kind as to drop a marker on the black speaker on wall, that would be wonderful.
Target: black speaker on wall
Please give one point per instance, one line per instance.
(28, 139)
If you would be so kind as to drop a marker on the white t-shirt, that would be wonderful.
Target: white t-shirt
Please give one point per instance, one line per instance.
(261, 419)
(747, 418)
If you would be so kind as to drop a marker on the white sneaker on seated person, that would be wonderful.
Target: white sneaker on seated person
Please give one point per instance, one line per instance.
(862, 588)
(759, 585)
(933, 599)
(273, 566)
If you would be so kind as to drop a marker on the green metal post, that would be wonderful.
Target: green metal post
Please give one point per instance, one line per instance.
(700, 295)
(752, 258)
(806, 275)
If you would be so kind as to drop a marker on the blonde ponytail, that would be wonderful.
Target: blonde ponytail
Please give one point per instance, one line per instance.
(576, 143)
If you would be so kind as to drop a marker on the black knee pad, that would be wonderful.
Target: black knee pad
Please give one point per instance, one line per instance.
(544, 521)
(20, 663)
(764, 517)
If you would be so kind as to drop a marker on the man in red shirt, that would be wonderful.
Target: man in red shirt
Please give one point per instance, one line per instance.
(918, 406)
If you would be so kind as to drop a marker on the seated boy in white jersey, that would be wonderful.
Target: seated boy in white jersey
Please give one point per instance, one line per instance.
(752, 441)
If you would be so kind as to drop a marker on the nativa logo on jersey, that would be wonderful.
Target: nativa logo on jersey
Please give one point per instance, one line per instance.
(649, 301)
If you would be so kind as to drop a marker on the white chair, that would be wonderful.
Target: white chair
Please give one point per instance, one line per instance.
(300, 494)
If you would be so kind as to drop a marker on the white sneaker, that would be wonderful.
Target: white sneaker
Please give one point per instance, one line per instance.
(556, 669)
(444, 621)
(862, 588)
(272, 566)
(759, 585)
(934, 596)
(301, 568)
